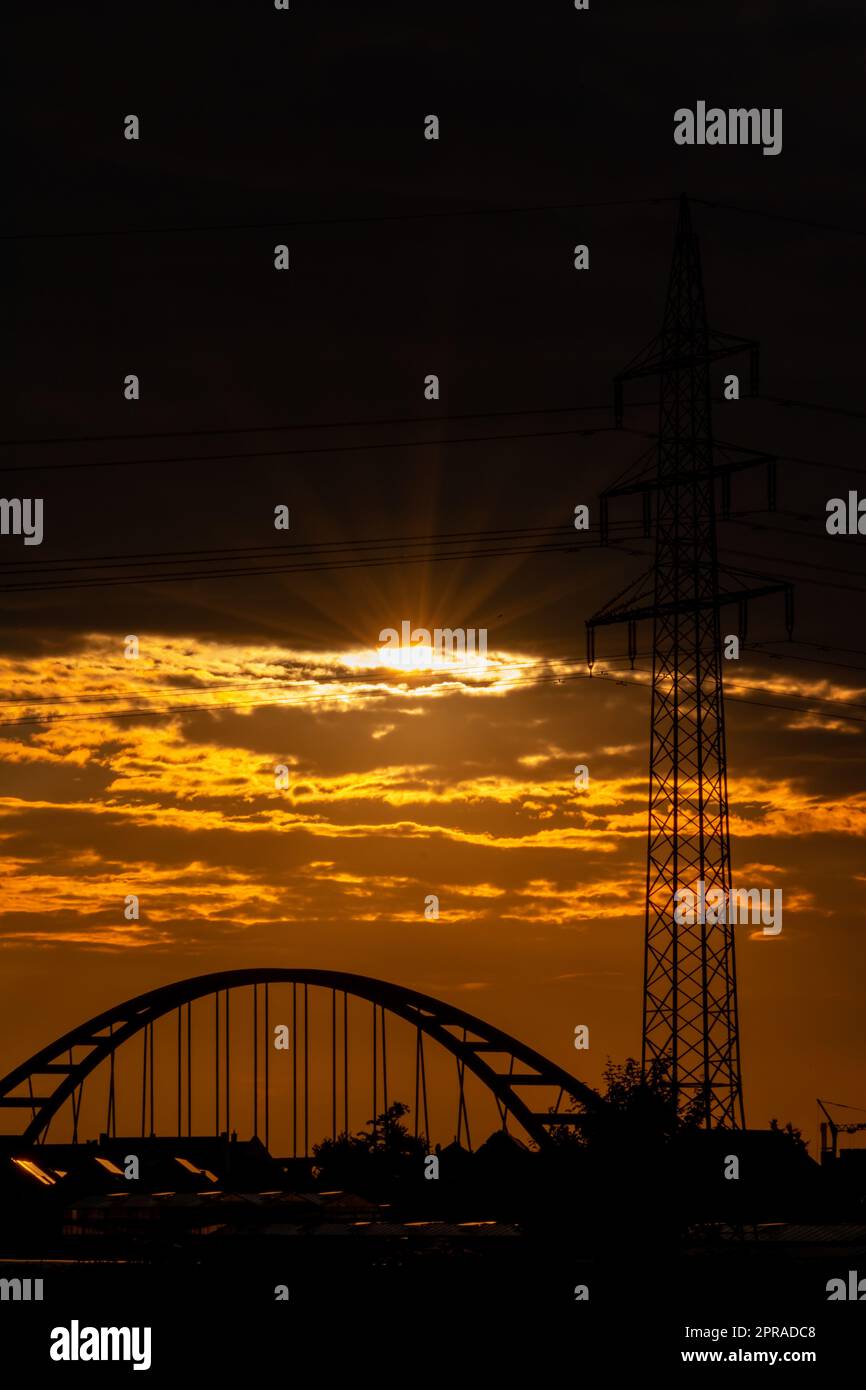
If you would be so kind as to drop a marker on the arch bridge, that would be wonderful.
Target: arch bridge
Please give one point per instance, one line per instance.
(514, 1074)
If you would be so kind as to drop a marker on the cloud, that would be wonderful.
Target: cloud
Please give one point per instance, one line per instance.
(178, 802)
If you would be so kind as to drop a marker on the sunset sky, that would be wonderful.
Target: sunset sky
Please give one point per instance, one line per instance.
(155, 776)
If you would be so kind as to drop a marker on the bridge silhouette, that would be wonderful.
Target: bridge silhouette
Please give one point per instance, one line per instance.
(506, 1068)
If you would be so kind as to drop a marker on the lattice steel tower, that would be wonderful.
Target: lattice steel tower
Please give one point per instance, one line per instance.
(690, 990)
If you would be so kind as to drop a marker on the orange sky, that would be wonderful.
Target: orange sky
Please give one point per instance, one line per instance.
(451, 781)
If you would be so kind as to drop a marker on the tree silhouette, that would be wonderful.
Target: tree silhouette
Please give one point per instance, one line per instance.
(794, 1135)
(641, 1110)
(382, 1152)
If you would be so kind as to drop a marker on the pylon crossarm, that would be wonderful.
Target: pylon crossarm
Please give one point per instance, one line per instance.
(683, 606)
(656, 359)
(715, 470)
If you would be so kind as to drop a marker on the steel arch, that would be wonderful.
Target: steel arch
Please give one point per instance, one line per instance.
(109, 1030)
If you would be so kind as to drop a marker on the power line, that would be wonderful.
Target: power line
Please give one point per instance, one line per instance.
(499, 533)
(787, 709)
(212, 431)
(811, 660)
(470, 537)
(780, 217)
(773, 529)
(295, 549)
(801, 579)
(327, 555)
(317, 424)
(788, 458)
(260, 704)
(290, 453)
(791, 563)
(822, 463)
(389, 420)
(818, 646)
(814, 405)
(323, 567)
(507, 540)
(214, 689)
(806, 703)
(803, 699)
(330, 555)
(756, 649)
(430, 215)
(219, 688)
(739, 684)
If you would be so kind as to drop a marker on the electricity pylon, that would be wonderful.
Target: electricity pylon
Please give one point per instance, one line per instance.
(690, 1021)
